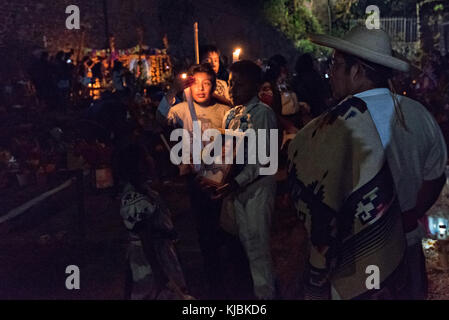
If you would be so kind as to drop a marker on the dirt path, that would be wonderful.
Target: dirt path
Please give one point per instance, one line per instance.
(35, 252)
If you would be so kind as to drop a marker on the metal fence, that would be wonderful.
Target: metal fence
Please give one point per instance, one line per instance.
(400, 29)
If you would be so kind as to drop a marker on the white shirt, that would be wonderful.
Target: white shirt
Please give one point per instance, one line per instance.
(414, 156)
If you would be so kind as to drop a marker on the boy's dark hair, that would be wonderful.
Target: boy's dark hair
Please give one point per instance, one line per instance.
(205, 68)
(377, 73)
(205, 50)
(249, 71)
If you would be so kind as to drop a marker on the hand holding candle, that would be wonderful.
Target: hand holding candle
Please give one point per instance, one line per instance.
(182, 82)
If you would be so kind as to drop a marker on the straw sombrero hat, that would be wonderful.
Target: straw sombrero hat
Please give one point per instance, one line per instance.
(371, 45)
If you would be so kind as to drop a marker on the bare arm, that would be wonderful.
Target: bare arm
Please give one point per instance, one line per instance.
(163, 111)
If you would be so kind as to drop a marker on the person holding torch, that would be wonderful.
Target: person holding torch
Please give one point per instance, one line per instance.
(202, 82)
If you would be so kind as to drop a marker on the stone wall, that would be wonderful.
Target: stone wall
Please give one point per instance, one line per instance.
(26, 25)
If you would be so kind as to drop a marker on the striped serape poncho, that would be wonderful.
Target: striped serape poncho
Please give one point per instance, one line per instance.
(343, 190)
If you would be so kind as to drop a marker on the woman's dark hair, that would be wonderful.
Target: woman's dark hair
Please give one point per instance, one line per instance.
(249, 71)
(378, 74)
(204, 68)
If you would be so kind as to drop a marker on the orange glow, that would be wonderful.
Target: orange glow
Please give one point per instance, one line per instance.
(236, 54)
(184, 76)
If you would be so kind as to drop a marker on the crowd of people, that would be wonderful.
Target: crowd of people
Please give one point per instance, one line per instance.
(364, 163)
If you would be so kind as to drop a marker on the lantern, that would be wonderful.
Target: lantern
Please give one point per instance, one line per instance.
(438, 226)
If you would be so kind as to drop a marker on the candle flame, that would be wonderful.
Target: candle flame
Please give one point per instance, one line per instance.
(238, 51)
(184, 76)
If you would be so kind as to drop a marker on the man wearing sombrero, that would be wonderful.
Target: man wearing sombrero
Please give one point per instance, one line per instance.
(362, 176)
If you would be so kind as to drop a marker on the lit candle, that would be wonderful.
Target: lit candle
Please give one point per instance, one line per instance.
(184, 76)
(236, 55)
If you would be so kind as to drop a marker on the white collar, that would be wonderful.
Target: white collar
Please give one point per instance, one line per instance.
(372, 92)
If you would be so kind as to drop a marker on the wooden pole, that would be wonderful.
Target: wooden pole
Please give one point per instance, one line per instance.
(80, 50)
(197, 46)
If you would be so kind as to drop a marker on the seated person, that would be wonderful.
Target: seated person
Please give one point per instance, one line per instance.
(154, 268)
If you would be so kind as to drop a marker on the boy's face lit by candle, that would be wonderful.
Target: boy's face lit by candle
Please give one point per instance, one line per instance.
(202, 88)
(213, 58)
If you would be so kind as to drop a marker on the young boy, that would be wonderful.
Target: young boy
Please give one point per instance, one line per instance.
(254, 195)
(205, 210)
(210, 54)
(202, 82)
